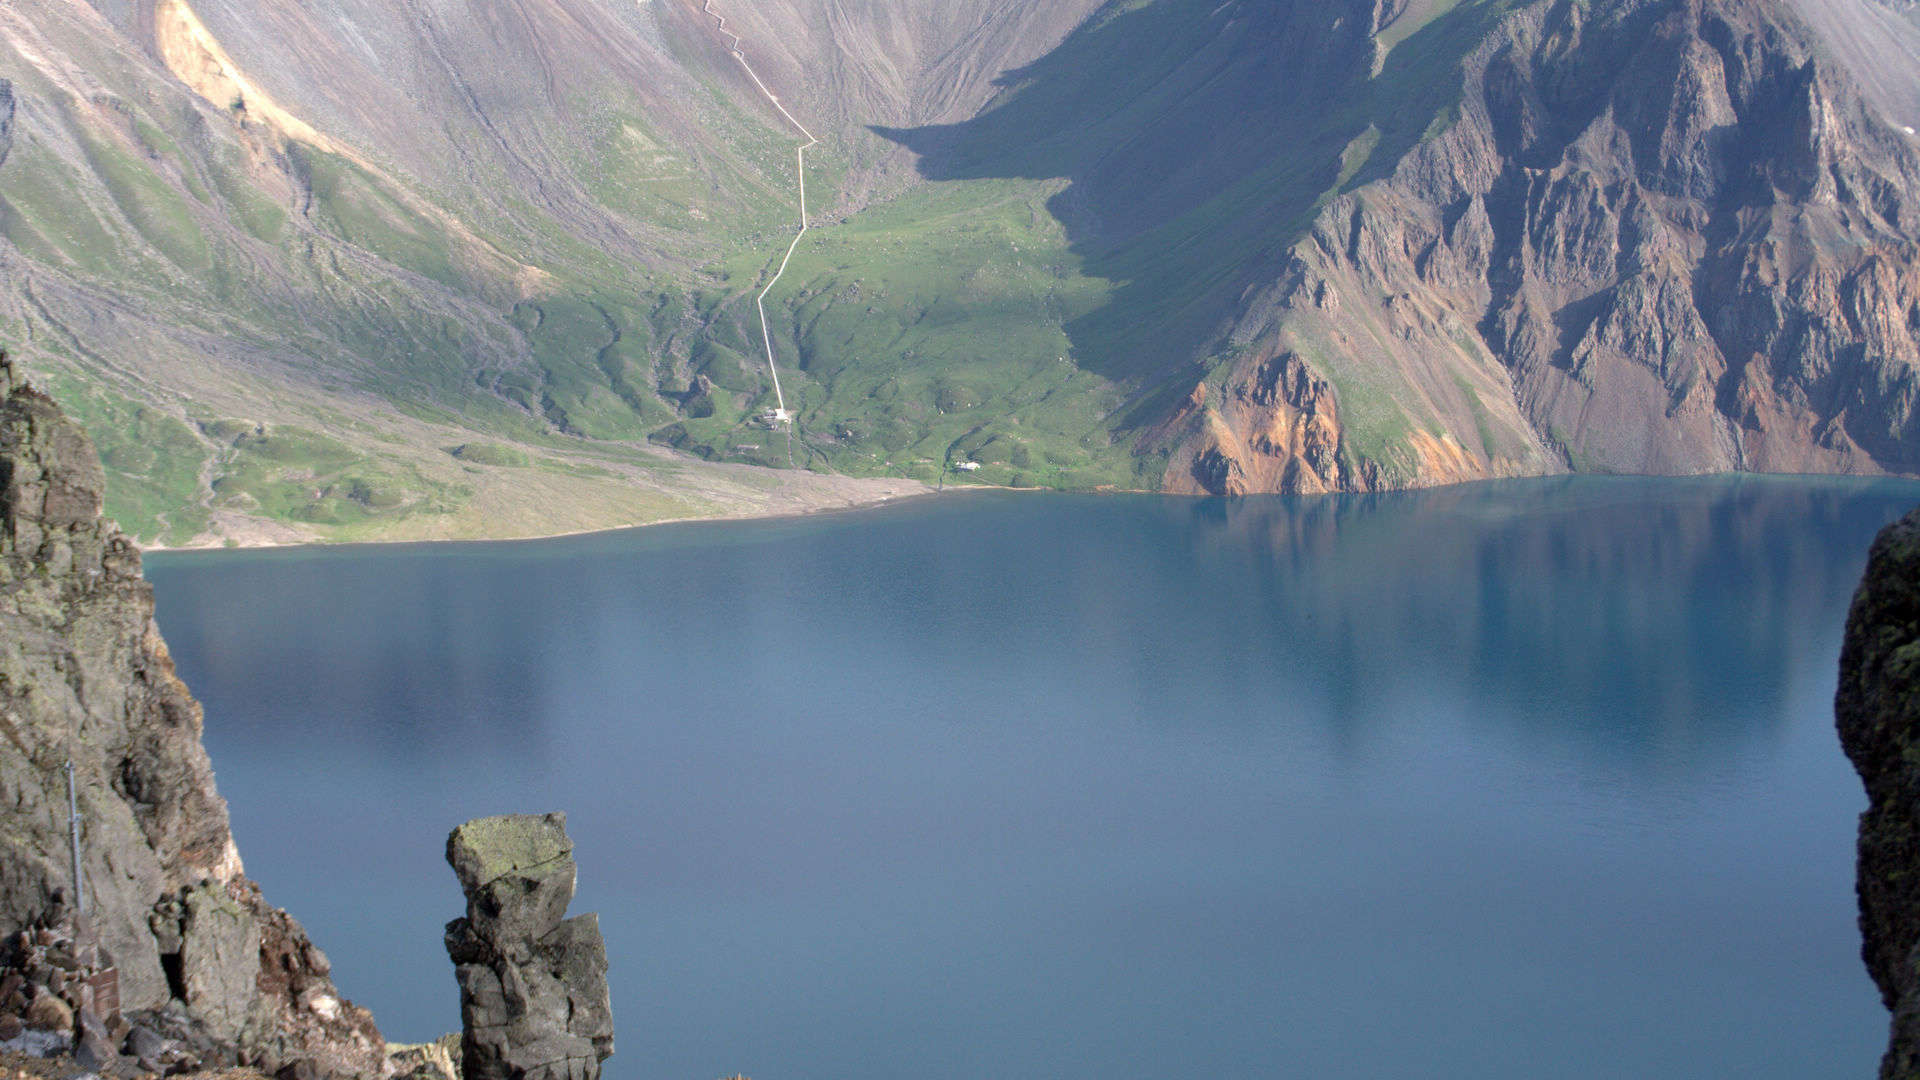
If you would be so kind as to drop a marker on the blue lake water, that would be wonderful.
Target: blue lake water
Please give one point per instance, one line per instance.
(1512, 780)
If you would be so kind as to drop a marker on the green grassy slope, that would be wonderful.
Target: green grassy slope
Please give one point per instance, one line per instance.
(183, 268)
(1081, 247)
(300, 333)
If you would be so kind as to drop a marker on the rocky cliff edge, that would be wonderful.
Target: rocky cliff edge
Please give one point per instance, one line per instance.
(86, 678)
(1878, 710)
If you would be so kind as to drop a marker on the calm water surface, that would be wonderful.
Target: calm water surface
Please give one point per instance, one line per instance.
(1516, 780)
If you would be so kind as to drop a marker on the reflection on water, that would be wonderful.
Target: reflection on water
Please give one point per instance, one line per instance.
(1669, 615)
(1503, 780)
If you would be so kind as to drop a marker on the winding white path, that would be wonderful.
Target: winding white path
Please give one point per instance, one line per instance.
(781, 415)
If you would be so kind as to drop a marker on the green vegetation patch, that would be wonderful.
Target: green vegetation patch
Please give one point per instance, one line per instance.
(1414, 17)
(1377, 427)
(484, 453)
(152, 459)
(293, 474)
(43, 211)
(359, 208)
(921, 331)
(153, 205)
(1482, 419)
(260, 216)
(593, 368)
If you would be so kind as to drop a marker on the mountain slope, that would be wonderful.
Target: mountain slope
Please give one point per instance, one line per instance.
(1528, 262)
(1877, 42)
(391, 268)
(294, 308)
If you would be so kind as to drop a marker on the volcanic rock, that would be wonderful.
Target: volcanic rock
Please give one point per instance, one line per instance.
(533, 984)
(46, 1012)
(93, 1048)
(145, 1044)
(86, 679)
(437, 1060)
(1653, 237)
(1878, 711)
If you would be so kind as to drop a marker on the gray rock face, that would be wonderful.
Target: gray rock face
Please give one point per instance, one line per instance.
(84, 676)
(1877, 708)
(219, 960)
(533, 983)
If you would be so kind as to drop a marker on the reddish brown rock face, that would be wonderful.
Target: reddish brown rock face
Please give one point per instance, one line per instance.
(1659, 237)
(85, 676)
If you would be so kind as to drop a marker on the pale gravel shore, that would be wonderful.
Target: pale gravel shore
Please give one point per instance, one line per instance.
(840, 495)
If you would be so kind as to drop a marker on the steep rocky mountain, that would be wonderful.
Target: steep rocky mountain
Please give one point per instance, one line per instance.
(1451, 241)
(86, 682)
(1668, 233)
(1877, 707)
(395, 268)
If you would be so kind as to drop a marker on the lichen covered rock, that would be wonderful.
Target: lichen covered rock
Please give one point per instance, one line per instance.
(437, 1060)
(533, 983)
(1878, 711)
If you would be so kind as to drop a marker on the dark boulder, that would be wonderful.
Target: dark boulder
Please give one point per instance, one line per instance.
(533, 983)
(1877, 707)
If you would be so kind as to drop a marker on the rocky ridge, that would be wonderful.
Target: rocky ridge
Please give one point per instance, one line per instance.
(1663, 236)
(1877, 708)
(199, 957)
(1398, 242)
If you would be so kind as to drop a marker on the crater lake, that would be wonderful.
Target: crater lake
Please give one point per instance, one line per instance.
(1520, 779)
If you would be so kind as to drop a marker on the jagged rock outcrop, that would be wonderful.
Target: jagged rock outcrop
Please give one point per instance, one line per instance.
(86, 678)
(437, 1060)
(1662, 236)
(533, 984)
(1877, 708)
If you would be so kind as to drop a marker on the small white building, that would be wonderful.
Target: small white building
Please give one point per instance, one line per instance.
(966, 466)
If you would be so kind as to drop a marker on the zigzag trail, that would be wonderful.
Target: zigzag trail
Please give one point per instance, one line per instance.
(760, 302)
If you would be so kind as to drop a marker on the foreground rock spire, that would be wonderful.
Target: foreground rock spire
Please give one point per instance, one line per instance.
(533, 983)
(1878, 710)
(185, 952)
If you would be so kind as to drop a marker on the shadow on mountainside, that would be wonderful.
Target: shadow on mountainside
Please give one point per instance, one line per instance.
(1199, 139)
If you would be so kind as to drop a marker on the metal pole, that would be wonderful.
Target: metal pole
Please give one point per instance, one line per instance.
(73, 831)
